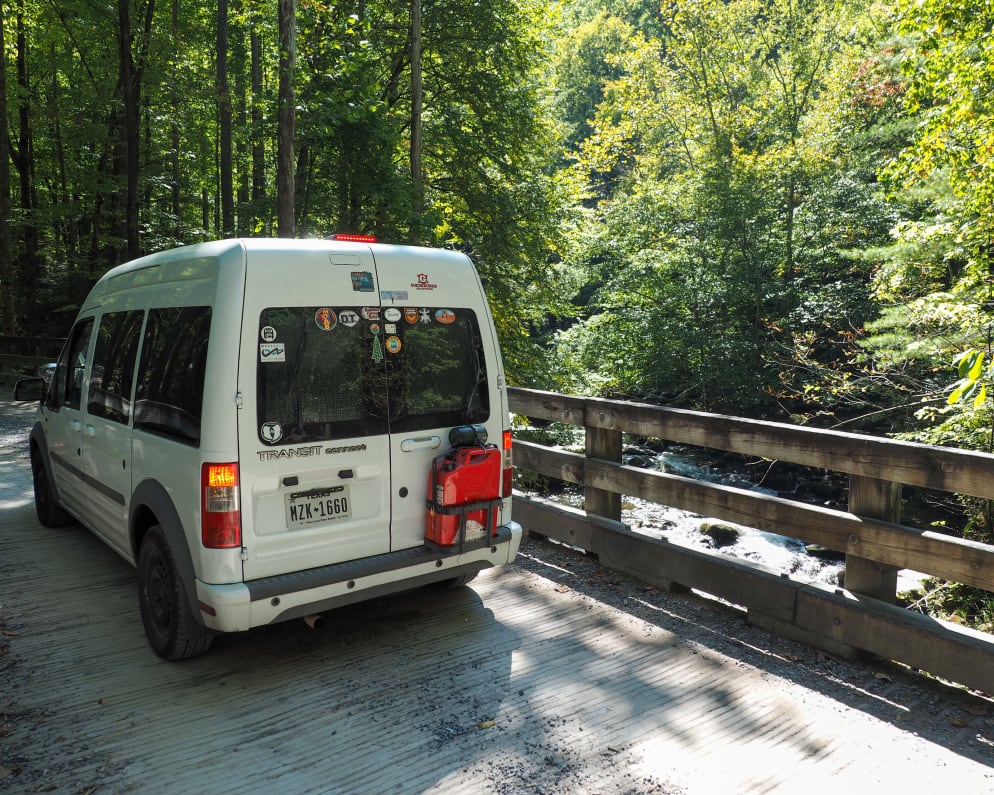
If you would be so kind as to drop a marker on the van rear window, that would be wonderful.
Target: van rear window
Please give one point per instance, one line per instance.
(340, 372)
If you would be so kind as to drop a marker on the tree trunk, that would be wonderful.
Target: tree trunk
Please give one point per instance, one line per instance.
(8, 324)
(24, 160)
(132, 72)
(174, 140)
(227, 188)
(417, 101)
(238, 69)
(258, 138)
(130, 93)
(70, 231)
(285, 205)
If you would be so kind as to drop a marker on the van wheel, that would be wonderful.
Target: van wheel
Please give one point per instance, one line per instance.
(459, 582)
(172, 631)
(50, 513)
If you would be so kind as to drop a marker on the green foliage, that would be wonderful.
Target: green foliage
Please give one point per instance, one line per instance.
(714, 161)
(936, 270)
(957, 603)
(488, 153)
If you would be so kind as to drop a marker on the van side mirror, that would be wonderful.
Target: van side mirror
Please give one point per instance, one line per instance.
(29, 389)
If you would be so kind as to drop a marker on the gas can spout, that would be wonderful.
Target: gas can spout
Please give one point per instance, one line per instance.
(314, 621)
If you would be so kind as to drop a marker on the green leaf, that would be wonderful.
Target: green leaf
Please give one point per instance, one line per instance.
(977, 367)
(966, 361)
(956, 395)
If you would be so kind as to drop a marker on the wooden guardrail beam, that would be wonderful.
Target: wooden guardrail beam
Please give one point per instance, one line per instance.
(928, 466)
(927, 551)
(828, 618)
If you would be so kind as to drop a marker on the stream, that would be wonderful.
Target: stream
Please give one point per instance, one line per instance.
(777, 552)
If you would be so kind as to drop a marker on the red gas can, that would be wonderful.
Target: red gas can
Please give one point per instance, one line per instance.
(463, 478)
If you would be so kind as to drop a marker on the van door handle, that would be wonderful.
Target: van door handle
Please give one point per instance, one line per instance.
(89, 430)
(424, 443)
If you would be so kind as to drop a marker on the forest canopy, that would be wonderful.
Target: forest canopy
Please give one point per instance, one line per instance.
(760, 207)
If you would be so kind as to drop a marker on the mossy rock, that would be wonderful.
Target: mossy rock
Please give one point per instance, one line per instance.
(721, 535)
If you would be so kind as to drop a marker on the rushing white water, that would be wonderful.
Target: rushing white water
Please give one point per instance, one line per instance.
(777, 552)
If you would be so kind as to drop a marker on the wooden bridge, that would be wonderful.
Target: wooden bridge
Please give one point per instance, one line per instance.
(860, 618)
(531, 680)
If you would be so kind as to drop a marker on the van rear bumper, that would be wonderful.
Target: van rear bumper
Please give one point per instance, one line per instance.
(241, 606)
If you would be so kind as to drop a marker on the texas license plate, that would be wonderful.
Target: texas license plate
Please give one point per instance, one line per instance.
(317, 506)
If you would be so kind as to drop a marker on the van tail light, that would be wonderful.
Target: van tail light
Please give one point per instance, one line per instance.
(220, 514)
(508, 471)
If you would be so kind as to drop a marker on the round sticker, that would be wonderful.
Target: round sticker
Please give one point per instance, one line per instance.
(374, 328)
(445, 316)
(348, 318)
(325, 318)
(268, 333)
(393, 344)
(271, 432)
(392, 314)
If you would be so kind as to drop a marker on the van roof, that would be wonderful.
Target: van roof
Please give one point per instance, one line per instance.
(216, 249)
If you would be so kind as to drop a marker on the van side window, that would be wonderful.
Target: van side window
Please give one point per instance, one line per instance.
(67, 385)
(169, 392)
(114, 365)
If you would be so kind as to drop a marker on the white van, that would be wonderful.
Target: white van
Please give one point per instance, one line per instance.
(253, 424)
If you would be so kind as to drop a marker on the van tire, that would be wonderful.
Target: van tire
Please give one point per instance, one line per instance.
(459, 582)
(50, 513)
(172, 631)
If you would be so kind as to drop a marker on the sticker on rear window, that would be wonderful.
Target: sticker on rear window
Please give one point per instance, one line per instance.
(411, 315)
(393, 344)
(445, 316)
(392, 314)
(271, 432)
(326, 319)
(272, 352)
(362, 281)
(348, 318)
(268, 333)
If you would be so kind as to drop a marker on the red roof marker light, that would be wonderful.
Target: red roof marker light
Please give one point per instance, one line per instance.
(349, 238)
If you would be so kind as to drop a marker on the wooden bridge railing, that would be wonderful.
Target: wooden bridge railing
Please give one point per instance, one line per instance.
(22, 356)
(862, 617)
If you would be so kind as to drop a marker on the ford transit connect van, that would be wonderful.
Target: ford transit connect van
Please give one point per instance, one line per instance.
(257, 426)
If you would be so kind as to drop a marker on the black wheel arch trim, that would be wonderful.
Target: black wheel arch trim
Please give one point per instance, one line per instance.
(152, 497)
(38, 441)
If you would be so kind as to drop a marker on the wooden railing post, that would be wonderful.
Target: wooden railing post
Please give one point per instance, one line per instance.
(873, 499)
(603, 443)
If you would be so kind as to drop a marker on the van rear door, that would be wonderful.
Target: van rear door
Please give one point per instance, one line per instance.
(313, 433)
(443, 365)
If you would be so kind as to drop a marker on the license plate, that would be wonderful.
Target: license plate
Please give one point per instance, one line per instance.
(317, 506)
